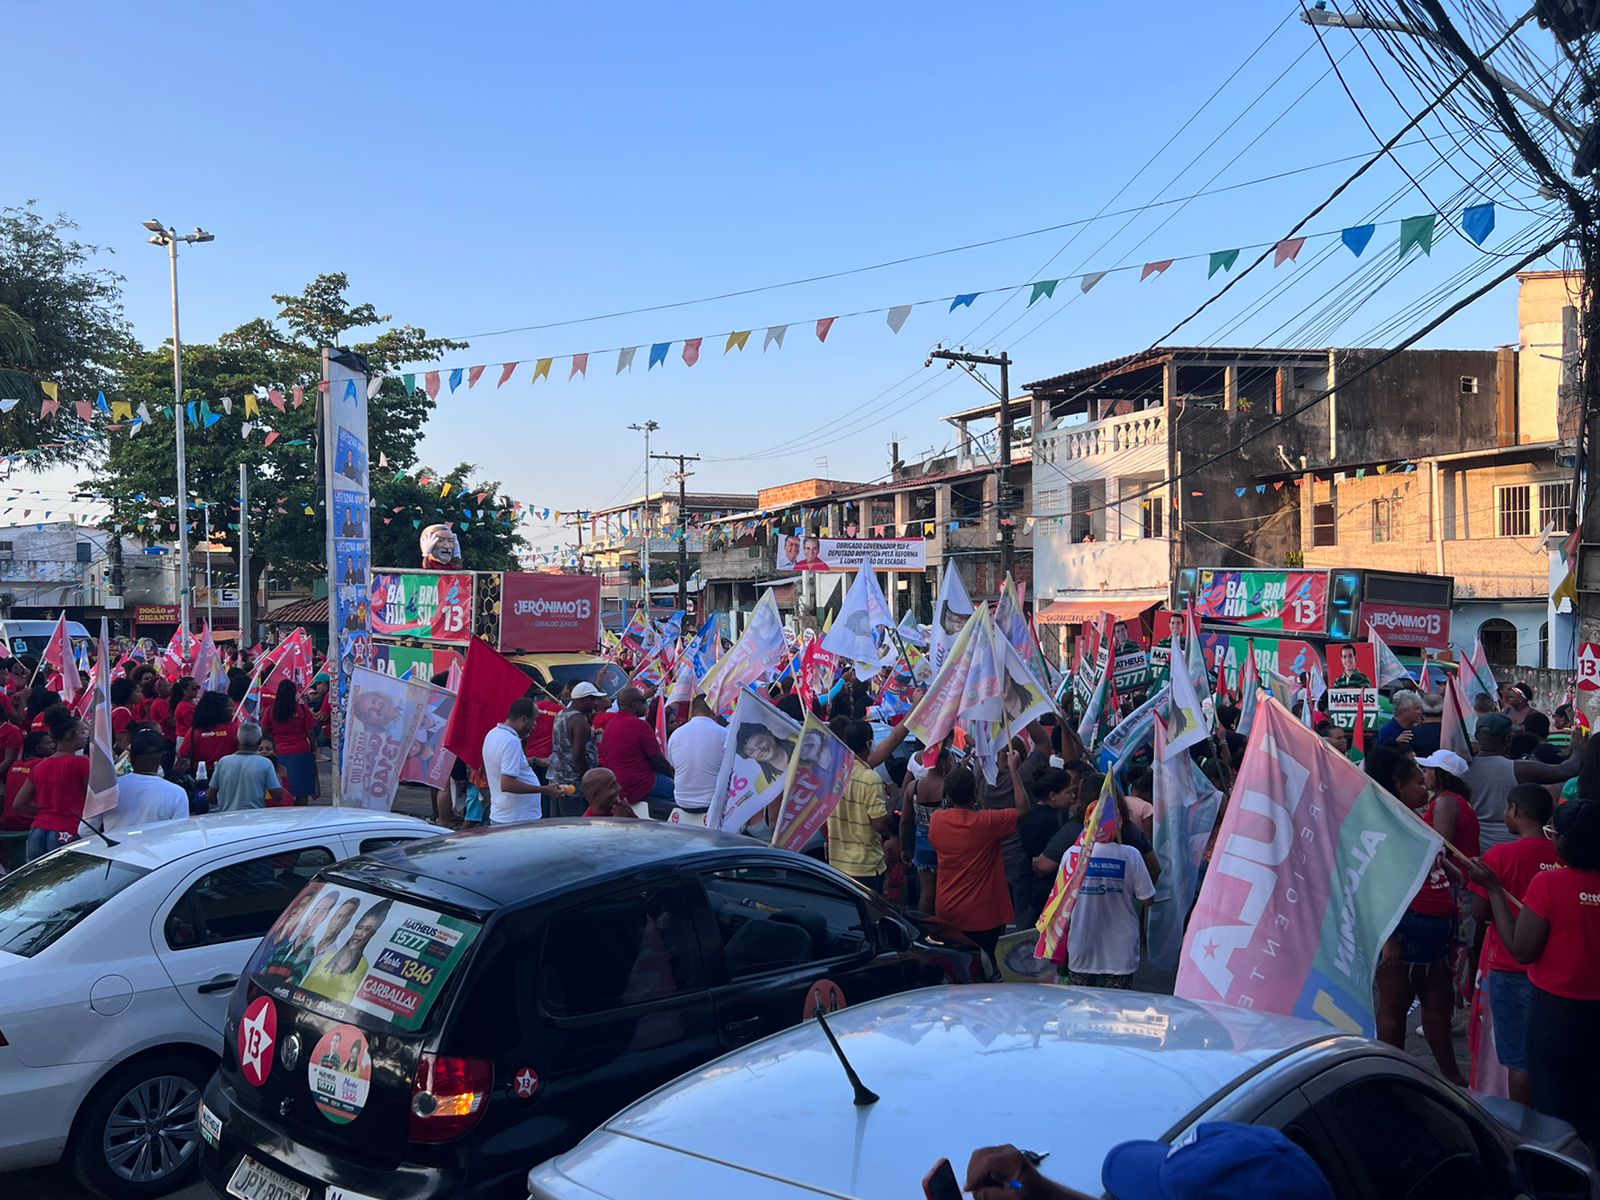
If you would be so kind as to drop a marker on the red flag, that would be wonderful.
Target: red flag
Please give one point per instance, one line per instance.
(58, 654)
(489, 683)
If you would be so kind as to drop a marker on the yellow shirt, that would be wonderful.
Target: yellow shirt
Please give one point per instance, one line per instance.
(852, 845)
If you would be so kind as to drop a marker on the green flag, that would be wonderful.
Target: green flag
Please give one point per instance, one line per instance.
(1417, 231)
(1045, 287)
(1222, 260)
(411, 382)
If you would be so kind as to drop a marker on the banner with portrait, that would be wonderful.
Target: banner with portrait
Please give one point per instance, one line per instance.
(385, 714)
(807, 552)
(761, 741)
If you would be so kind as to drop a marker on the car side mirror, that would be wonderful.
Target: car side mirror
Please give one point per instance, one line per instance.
(1550, 1176)
(892, 935)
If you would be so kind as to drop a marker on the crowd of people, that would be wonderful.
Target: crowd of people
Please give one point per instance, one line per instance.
(179, 749)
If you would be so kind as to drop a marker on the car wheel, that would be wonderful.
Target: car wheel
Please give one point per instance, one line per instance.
(138, 1134)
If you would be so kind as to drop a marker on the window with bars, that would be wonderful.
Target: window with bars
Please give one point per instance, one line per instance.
(1086, 500)
(1382, 521)
(1324, 524)
(1513, 510)
(1555, 505)
(1152, 513)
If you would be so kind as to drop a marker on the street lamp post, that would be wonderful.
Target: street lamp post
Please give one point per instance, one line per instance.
(161, 235)
(647, 429)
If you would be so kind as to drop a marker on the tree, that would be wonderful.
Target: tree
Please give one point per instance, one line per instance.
(288, 521)
(61, 322)
(402, 506)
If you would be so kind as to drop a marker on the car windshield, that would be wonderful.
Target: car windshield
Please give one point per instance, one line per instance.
(42, 900)
(608, 677)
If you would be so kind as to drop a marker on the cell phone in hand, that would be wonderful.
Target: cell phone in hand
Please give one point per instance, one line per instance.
(940, 1183)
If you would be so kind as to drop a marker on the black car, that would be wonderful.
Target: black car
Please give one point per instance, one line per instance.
(433, 1019)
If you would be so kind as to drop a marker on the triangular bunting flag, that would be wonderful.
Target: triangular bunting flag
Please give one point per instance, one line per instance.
(1477, 222)
(121, 410)
(455, 379)
(1045, 287)
(775, 334)
(1222, 260)
(963, 301)
(410, 380)
(84, 409)
(1357, 237)
(473, 375)
(299, 394)
(737, 340)
(658, 354)
(580, 366)
(1154, 268)
(1417, 231)
(430, 384)
(100, 402)
(625, 358)
(1287, 250)
(252, 406)
(1088, 281)
(541, 370)
(898, 315)
(825, 324)
(691, 351)
(507, 370)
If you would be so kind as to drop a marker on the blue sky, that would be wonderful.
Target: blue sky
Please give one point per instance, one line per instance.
(495, 166)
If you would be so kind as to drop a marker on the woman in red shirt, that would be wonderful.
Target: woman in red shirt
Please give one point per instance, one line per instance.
(213, 736)
(972, 891)
(35, 747)
(184, 695)
(292, 727)
(53, 795)
(1416, 958)
(1557, 934)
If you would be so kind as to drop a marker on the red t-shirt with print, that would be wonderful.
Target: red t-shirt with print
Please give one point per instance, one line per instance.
(1516, 863)
(1570, 900)
(19, 774)
(211, 746)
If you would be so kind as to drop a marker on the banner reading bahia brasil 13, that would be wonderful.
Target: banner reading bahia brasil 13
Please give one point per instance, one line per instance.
(1313, 866)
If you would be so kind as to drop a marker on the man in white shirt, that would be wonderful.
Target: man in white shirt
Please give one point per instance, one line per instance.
(514, 789)
(1103, 942)
(144, 798)
(695, 751)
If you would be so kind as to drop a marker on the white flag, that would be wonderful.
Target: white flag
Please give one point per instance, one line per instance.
(949, 614)
(1390, 668)
(1186, 722)
(863, 611)
(898, 315)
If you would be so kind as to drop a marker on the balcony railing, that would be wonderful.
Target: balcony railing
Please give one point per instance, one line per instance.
(1114, 435)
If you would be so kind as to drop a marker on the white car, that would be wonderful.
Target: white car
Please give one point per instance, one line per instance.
(1063, 1072)
(117, 960)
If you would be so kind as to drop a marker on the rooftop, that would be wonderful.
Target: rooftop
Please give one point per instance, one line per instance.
(1158, 356)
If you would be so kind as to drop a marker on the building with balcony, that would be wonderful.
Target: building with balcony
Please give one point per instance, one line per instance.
(613, 543)
(1448, 462)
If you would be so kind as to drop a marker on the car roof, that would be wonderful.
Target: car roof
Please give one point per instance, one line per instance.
(1068, 1072)
(151, 846)
(485, 869)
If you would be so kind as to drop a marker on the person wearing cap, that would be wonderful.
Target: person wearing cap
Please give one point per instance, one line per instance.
(574, 750)
(1494, 773)
(1224, 1159)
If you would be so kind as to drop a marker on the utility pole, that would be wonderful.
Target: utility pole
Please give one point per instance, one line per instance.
(206, 506)
(682, 477)
(578, 519)
(647, 429)
(245, 640)
(1004, 506)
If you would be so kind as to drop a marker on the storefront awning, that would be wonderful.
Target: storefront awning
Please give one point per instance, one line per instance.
(1087, 612)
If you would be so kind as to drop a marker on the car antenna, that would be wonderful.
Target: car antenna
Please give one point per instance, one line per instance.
(100, 832)
(864, 1095)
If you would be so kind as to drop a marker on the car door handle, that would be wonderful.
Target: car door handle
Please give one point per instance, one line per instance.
(222, 983)
(748, 1027)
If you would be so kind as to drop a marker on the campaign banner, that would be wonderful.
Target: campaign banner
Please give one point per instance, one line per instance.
(1225, 653)
(427, 761)
(803, 552)
(342, 411)
(819, 772)
(385, 714)
(1312, 868)
(755, 762)
(1407, 624)
(347, 955)
(422, 604)
(1288, 601)
(1352, 688)
(542, 613)
(414, 662)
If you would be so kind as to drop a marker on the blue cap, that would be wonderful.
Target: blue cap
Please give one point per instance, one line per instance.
(1225, 1160)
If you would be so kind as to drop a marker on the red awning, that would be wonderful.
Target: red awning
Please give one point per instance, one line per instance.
(1077, 612)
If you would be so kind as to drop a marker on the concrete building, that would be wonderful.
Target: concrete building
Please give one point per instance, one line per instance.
(614, 539)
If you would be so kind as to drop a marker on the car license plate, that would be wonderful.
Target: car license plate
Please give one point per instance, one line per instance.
(210, 1127)
(252, 1181)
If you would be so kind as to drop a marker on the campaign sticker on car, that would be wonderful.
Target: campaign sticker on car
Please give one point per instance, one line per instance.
(210, 1126)
(251, 1181)
(340, 1073)
(824, 996)
(258, 1033)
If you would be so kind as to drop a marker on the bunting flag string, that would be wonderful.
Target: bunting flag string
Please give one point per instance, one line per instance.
(1477, 222)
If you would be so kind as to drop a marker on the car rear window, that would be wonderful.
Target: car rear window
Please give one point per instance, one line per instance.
(355, 956)
(44, 899)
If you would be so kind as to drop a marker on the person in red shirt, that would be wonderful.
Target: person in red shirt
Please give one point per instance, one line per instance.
(1556, 934)
(539, 741)
(158, 706)
(184, 695)
(35, 747)
(54, 793)
(292, 726)
(630, 751)
(213, 734)
(122, 697)
(1415, 960)
(973, 893)
(10, 745)
(1515, 863)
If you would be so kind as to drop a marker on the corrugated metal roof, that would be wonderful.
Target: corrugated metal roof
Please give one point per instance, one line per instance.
(1160, 355)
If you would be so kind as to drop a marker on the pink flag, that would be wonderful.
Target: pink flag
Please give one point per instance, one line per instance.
(580, 365)
(506, 371)
(823, 326)
(1154, 268)
(473, 375)
(272, 436)
(299, 395)
(275, 398)
(431, 383)
(101, 793)
(48, 406)
(84, 409)
(58, 654)
(1287, 250)
(819, 773)
(691, 351)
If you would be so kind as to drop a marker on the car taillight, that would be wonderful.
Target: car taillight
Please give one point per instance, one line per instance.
(448, 1096)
